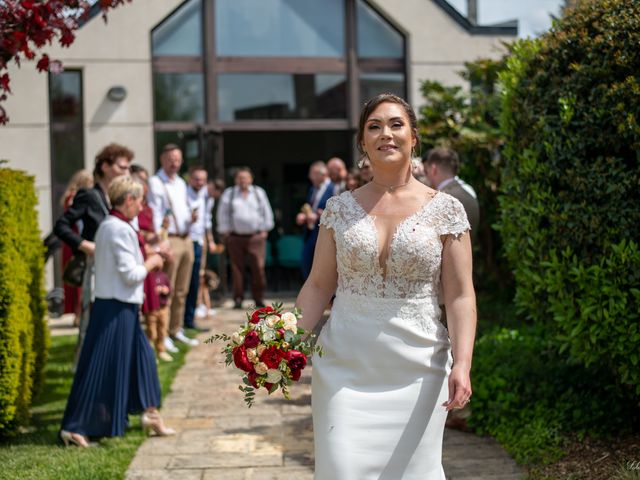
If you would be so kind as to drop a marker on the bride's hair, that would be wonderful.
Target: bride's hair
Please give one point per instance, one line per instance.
(373, 103)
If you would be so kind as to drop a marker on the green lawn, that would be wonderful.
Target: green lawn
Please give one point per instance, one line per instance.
(36, 453)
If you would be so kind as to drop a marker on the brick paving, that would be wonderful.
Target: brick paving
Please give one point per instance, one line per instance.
(219, 438)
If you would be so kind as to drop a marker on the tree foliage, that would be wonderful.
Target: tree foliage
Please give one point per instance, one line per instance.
(27, 26)
(468, 122)
(569, 211)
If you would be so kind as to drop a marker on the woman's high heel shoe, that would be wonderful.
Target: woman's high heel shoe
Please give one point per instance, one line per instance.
(73, 439)
(153, 422)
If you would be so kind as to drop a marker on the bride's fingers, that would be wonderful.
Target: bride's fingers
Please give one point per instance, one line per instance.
(452, 393)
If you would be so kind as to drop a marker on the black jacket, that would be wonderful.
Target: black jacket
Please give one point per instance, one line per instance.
(90, 206)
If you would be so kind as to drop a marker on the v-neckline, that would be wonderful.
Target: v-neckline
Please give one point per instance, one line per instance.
(383, 271)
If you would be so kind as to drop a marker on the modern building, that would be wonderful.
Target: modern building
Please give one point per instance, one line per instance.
(273, 84)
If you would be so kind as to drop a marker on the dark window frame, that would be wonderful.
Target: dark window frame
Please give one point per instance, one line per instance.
(210, 64)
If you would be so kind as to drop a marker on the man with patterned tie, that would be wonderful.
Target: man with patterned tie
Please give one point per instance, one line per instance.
(322, 189)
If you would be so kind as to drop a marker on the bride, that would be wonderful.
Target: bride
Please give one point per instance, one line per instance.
(391, 371)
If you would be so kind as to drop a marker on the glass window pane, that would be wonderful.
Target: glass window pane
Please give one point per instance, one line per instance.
(305, 28)
(280, 96)
(65, 93)
(181, 33)
(376, 37)
(372, 84)
(178, 97)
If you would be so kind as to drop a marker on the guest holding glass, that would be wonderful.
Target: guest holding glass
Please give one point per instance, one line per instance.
(117, 374)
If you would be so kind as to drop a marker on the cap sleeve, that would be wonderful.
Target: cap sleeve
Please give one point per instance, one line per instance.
(329, 217)
(453, 218)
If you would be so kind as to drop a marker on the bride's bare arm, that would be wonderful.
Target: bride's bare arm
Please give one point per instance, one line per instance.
(460, 304)
(321, 284)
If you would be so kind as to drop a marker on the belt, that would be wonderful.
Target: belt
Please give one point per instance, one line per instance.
(244, 234)
(178, 235)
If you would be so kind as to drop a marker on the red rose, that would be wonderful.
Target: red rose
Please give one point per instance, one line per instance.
(268, 386)
(241, 360)
(295, 375)
(272, 357)
(252, 379)
(251, 340)
(255, 317)
(296, 360)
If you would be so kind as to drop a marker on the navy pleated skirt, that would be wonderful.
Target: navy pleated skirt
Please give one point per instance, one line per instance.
(116, 373)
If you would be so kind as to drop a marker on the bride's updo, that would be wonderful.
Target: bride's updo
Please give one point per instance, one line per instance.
(373, 103)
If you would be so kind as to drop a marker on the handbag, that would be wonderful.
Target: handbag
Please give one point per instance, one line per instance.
(73, 273)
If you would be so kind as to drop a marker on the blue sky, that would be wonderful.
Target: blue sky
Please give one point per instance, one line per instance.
(533, 15)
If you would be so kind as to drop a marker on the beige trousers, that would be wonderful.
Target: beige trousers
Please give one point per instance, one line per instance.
(179, 273)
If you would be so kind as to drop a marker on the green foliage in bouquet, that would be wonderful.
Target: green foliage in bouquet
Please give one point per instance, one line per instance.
(24, 336)
(570, 221)
(270, 349)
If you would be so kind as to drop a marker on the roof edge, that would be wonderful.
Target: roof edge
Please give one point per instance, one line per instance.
(505, 28)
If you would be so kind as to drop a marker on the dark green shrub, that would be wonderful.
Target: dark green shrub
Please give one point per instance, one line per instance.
(529, 397)
(24, 337)
(570, 183)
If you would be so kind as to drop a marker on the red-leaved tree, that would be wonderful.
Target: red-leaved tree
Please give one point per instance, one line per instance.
(29, 25)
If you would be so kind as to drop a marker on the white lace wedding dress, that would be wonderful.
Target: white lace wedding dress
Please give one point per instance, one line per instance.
(378, 390)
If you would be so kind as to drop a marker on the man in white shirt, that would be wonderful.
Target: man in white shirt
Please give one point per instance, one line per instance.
(200, 233)
(244, 219)
(171, 214)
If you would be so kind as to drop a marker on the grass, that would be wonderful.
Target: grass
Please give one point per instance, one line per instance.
(37, 454)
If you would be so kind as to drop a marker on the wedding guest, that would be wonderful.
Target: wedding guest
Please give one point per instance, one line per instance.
(170, 206)
(337, 174)
(441, 167)
(82, 179)
(117, 374)
(244, 220)
(366, 174)
(199, 204)
(354, 180)
(91, 206)
(321, 190)
(156, 288)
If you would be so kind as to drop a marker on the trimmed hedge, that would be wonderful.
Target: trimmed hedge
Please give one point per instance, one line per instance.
(569, 210)
(24, 336)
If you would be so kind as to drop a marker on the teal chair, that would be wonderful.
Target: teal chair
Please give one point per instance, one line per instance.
(289, 258)
(268, 260)
(290, 251)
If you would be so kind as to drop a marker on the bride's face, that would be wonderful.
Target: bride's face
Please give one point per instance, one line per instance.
(388, 137)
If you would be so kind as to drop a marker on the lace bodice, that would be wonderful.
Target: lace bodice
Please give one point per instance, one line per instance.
(415, 253)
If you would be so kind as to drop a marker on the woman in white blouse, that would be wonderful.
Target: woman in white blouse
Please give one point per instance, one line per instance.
(117, 373)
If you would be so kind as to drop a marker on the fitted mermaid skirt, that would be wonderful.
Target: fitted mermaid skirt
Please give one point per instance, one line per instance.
(379, 388)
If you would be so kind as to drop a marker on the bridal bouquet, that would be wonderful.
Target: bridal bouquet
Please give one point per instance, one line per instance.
(269, 350)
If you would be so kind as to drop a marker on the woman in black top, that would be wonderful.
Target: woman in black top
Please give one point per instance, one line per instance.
(91, 206)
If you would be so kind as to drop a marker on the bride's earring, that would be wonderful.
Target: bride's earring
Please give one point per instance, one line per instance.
(362, 159)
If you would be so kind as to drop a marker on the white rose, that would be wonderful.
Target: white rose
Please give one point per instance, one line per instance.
(273, 375)
(236, 338)
(271, 320)
(289, 318)
(291, 327)
(261, 348)
(261, 368)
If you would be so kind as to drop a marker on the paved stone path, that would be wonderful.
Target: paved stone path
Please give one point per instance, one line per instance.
(219, 438)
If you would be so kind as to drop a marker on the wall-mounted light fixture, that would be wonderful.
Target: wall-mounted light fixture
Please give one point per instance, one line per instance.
(117, 93)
